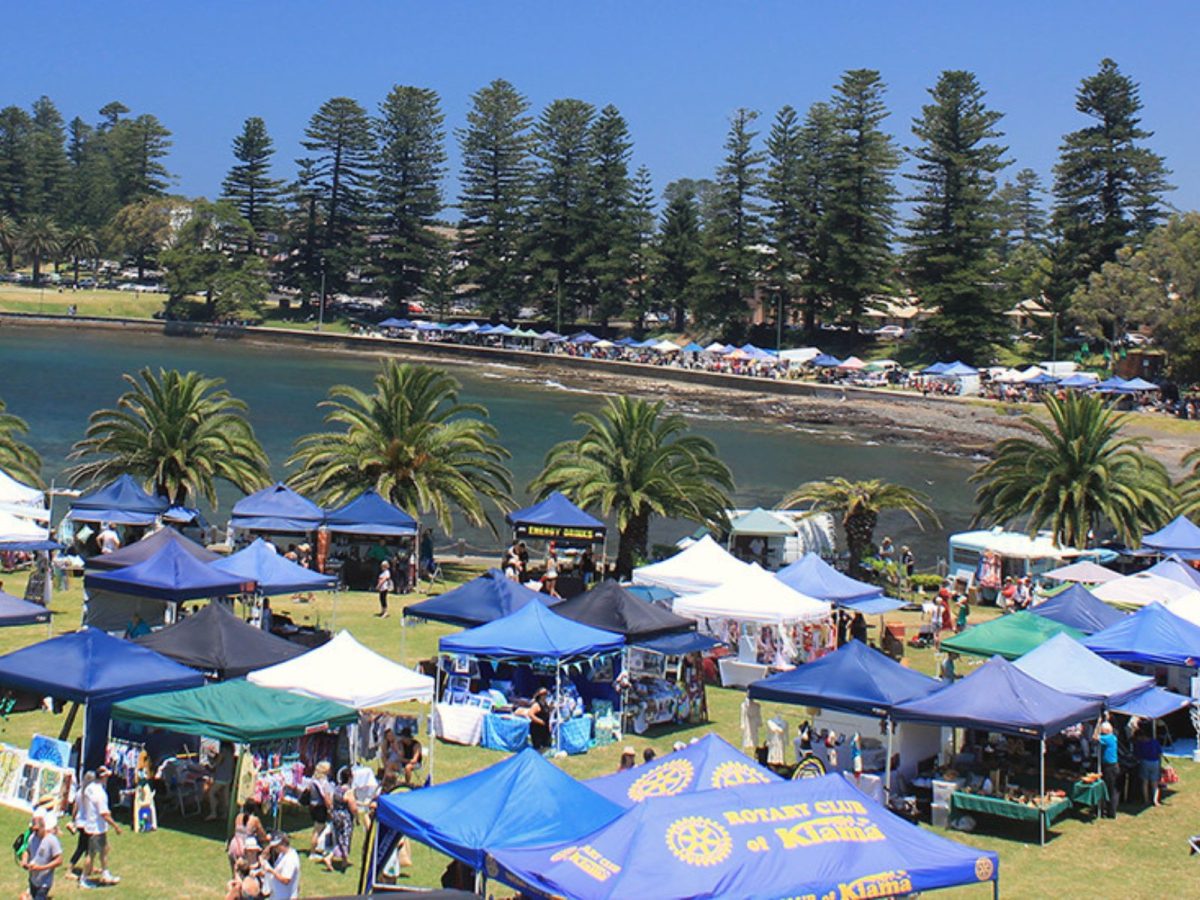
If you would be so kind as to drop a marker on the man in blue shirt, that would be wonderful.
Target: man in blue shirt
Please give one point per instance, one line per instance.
(1110, 765)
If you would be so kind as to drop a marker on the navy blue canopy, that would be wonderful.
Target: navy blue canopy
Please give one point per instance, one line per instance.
(522, 801)
(532, 632)
(1000, 697)
(1152, 635)
(610, 607)
(15, 611)
(370, 514)
(957, 369)
(484, 599)
(140, 551)
(818, 837)
(936, 368)
(556, 518)
(172, 574)
(814, 577)
(1079, 608)
(1180, 536)
(276, 508)
(393, 322)
(712, 763)
(271, 573)
(678, 644)
(854, 679)
(121, 502)
(584, 337)
(825, 361)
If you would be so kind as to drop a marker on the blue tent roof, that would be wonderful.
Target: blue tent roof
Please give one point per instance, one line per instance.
(584, 337)
(271, 573)
(1180, 535)
(693, 347)
(519, 802)
(678, 644)
(533, 631)
(484, 599)
(813, 576)
(712, 763)
(651, 593)
(936, 369)
(1140, 384)
(1066, 665)
(140, 551)
(1000, 697)
(624, 341)
(854, 678)
(762, 840)
(1079, 608)
(1078, 380)
(369, 513)
(122, 501)
(825, 361)
(172, 574)
(556, 517)
(1177, 570)
(1112, 385)
(1154, 703)
(393, 322)
(1042, 378)
(15, 611)
(957, 369)
(1153, 635)
(276, 508)
(90, 665)
(429, 326)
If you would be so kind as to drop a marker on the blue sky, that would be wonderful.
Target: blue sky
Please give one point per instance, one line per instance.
(675, 69)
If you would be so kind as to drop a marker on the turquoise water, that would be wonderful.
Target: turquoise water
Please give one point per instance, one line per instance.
(55, 379)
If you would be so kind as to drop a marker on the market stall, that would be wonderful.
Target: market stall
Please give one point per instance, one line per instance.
(274, 511)
(140, 551)
(814, 838)
(483, 599)
(489, 671)
(656, 689)
(153, 588)
(22, 500)
(1083, 572)
(357, 529)
(1141, 588)
(701, 566)
(218, 643)
(271, 574)
(1007, 636)
(521, 801)
(120, 502)
(770, 624)
(998, 698)
(1180, 536)
(760, 536)
(556, 519)
(814, 577)
(711, 763)
(15, 611)
(1080, 609)
(92, 669)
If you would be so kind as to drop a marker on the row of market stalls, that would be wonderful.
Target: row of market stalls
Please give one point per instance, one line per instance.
(704, 820)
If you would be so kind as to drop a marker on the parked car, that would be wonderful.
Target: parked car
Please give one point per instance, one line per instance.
(890, 332)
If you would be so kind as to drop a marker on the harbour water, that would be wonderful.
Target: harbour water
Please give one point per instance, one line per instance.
(55, 379)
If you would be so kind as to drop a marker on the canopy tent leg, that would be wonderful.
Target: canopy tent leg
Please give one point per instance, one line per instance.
(887, 765)
(1042, 797)
(432, 741)
(231, 814)
(83, 743)
(557, 726)
(69, 724)
(366, 875)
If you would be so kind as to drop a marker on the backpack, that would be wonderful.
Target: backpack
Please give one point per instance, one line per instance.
(21, 843)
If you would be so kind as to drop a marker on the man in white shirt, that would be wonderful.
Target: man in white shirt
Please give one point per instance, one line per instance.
(107, 540)
(96, 821)
(283, 873)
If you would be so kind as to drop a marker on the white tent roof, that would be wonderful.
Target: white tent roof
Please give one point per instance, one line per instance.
(14, 529)
(346, 672)
(800, 354)
(754, 596)
(1012, 544)
(1084, 572)
(701, 566)
(852, 363)
(1030, 373)
(1002, 375)
(21, 499)
(665, 346)
(1143, 588)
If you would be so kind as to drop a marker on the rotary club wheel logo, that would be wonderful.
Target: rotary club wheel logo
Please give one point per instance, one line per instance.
(733, 774)
(492, 868)
(667, 780)
(984, 868)
(699, 841)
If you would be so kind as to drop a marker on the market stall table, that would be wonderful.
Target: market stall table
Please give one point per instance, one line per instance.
(962, 802)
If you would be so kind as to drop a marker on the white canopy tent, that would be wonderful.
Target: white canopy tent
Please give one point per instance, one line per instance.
(753, 596)
(346, 672)
(19, 530)
(800, 355)
(1143, 588)
(667, 346)
(1083, 572)
(22, 500)
(701, 566)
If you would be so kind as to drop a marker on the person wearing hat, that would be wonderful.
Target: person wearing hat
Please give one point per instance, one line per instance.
(538, 714)
(384, 585)
(283, 869)
(42, 855)
(97, 820)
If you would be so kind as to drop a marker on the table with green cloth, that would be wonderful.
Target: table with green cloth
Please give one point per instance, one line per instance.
(1085, 794)
(961, 802)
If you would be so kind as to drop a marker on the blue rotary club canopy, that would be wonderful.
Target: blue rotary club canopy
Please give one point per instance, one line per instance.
(816, 838)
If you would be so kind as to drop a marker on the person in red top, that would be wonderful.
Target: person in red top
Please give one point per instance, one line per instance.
(1008, 594)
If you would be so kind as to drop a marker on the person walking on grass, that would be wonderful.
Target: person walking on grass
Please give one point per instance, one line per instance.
(384, 585)
(97, 821)
(42, 855)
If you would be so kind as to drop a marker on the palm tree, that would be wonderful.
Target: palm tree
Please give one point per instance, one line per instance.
(78, 243)
(413, 442)
(1189, 487)
(177, 431)
(1078, 474)
(17, 458)
(859, 504)
(39, 238)
(641, 463)
(8, 239)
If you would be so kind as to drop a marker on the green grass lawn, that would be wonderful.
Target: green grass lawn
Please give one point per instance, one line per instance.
(55, 300)
(1141, 856)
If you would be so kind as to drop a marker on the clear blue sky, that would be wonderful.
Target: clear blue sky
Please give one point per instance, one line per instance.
(675, 69)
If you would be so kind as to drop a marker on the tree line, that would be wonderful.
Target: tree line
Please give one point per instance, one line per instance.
(803, 214)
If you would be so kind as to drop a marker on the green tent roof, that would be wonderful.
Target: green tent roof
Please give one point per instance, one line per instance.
(234, 711)
(760, 522)
(1009, 636)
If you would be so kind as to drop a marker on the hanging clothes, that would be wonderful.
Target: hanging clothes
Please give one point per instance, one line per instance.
(751, 720)
(776, 741)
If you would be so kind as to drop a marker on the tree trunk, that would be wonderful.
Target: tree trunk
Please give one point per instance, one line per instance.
(633, 541)
(76, 273)
(860, 536)
(37, 268)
